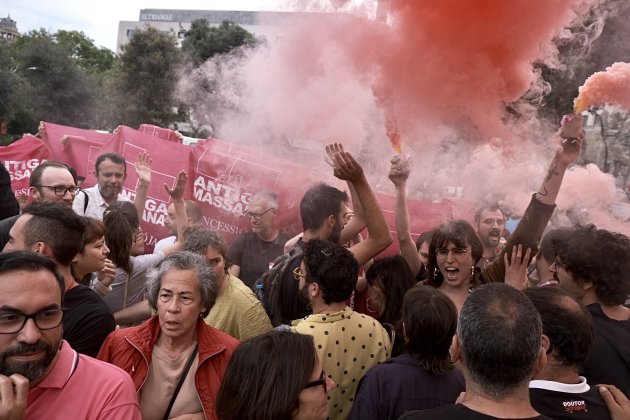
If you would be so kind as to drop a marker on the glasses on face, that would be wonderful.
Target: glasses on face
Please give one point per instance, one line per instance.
(320, 382)
(13, 322)
(458, 253)
(297, 274)
(257, 216)
(60, 190)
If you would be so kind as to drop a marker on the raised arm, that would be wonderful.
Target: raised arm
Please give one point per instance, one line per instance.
(398, 174)
(357, 223)
(566, 154)
(379, 237)
(537, 215)
(143, 172)
(177, 197)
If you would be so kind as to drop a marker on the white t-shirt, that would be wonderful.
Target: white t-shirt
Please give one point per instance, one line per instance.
(163, 243)
(96, 205)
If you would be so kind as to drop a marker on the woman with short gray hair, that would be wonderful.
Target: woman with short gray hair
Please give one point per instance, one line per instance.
(175, 359)
(184, 260)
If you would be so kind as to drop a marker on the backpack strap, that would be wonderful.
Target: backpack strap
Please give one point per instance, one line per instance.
(85, 201)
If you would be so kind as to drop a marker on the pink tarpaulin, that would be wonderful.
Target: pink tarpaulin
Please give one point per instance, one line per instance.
(53, 134)
(163, 133)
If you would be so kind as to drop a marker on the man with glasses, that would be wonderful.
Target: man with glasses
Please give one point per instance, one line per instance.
(593, 265)
(57, 232)
(322, 210)
(41, 375)
(50, 182)
(348, 343)
(252, 253)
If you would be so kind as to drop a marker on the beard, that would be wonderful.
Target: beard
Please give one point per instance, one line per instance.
(110, 192)
(32, 370)
(335, 235)
(303, 294)
(493, 238)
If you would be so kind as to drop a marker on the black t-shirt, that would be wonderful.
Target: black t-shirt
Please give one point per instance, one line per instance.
(610, 360)
(564, 405)
(254, 256)
(88, 320)
(456, 411)
(8, 204)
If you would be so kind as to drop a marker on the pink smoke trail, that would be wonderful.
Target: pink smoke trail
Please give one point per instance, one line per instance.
(610, 86)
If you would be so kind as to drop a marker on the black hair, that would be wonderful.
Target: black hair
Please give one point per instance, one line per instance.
(332, 267)
(319, 202)
(430, 320)
(33, 262)
(265, 376)
(462, 235)
(56, 225)
(598, 256)
(566, 323)
(500, 335)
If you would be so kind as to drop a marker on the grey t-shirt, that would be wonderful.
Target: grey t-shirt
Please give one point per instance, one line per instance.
(133, 286)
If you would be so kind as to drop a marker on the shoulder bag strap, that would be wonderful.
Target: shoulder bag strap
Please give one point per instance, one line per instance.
(181, 382)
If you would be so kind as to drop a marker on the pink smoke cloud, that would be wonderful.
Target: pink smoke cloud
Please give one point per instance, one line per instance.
(440, 72)
(610, 86)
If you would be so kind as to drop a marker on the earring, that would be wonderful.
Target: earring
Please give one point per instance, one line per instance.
(472, 272)
(435, 272)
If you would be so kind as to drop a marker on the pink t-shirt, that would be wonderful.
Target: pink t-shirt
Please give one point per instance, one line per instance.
(80, 387)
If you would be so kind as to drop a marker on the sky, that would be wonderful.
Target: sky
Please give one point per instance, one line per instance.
(99, 19)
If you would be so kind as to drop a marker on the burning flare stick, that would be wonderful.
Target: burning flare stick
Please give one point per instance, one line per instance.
(393, 134)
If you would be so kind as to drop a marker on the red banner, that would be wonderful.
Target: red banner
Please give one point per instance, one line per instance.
(20, 158)
(221, 178)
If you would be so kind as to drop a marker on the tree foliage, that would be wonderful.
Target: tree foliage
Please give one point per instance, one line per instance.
(45, 82)
(203, 41)
(82, 49)
(145, 79)
(595, 43)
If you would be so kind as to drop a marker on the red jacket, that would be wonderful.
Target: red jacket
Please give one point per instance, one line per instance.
(131, 348)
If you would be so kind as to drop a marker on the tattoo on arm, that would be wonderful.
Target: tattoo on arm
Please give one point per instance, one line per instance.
(552, 171)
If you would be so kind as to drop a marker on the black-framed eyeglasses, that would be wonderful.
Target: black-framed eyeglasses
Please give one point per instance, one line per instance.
(47, 319)
(297, 274)
(257, 216)
(321, 381)
(458, 253)
(61, 190)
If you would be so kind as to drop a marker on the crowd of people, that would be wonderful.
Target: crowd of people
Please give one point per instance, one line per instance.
(320, 326)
